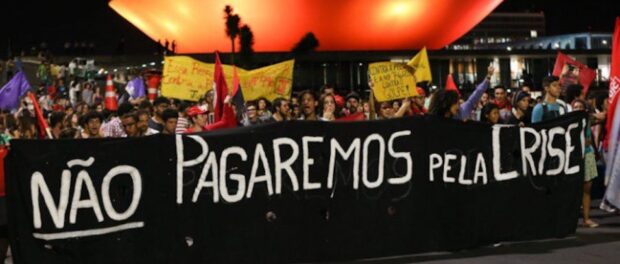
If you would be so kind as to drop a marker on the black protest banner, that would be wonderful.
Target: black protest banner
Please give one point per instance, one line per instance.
(294, 192)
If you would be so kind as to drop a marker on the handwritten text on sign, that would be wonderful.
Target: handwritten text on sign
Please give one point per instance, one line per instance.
(186, 78)
(378, 176)
(391, 81)
(189, 79)
(271, 82)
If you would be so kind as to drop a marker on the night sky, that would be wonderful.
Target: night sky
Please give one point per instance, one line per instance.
(566, 16)
(57, 22)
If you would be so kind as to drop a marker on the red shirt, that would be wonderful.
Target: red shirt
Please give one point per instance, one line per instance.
(228, 120)
(352, 117)
(417, 111)
(502, 105)
(3, 152)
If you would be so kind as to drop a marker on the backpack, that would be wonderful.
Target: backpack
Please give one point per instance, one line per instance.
(547, 114)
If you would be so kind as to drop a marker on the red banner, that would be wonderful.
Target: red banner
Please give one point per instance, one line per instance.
(614, 82)
(571, 71)
(614, 75)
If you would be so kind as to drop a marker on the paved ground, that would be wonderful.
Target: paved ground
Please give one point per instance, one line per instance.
(589, 245)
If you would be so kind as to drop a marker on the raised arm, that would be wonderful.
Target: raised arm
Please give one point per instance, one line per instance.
(228, 117)
(466, 108)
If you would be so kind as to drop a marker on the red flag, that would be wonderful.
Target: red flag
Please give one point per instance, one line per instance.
(220, 88)
(3, 152)
(614, 83)
(571, 71)
(236, 83)
(450, 85)
(237, 92)
(610, 119)
(614, 76)
(43, 128)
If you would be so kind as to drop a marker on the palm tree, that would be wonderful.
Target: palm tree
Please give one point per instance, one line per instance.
(232, 28)
(246, 41)
(307, 44)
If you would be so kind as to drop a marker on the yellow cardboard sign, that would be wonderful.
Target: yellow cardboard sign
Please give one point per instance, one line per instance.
(391, 81)
(189, 79)
(270, 82)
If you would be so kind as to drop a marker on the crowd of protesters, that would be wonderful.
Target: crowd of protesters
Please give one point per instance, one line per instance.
(75, 109)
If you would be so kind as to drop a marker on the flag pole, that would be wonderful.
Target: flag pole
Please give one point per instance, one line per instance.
(44, 129)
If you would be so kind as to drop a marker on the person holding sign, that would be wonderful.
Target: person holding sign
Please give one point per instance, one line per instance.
(387, 110)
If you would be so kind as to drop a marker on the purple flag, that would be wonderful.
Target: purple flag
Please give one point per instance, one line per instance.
(11, 93)
(135, 88)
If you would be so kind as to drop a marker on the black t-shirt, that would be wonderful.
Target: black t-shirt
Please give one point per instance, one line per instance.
(155, 126)
(526, 119)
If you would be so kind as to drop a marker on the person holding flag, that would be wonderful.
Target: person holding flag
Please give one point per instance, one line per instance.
(220, 88)
(135, 91)
(11, 93)
(224, 114)
(10, 97)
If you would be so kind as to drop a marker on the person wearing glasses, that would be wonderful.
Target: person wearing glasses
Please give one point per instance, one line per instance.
(130, 124)
(251, 114)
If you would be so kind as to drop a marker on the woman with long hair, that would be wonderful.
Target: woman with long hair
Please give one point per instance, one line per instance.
(263, 108)
(328, 108)
(590, 167)
(445, 103)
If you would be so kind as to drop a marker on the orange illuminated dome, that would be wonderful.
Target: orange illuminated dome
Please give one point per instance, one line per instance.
(198, 26)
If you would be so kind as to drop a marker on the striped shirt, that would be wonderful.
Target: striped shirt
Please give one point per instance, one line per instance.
(113, 128)
(182, 125)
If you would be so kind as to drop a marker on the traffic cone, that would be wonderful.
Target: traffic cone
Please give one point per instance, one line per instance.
(110, 95)
(152, 83)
